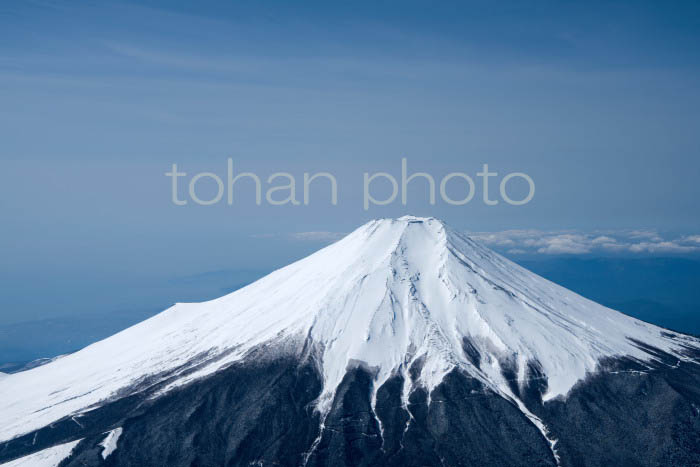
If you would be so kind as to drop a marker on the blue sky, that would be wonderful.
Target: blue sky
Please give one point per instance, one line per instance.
(597, 101)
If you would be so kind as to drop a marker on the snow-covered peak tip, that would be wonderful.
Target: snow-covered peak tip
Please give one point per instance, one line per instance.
(405, 220)
(377, 229)
(395, 294)
(417, 219)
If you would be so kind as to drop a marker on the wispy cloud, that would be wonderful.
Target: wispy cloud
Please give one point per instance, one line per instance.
(179, 60)
(548, 242)
(692, 239)
(320, 236)
(581, 243)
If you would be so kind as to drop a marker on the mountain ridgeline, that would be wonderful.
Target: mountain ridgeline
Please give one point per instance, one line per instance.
(405, 343)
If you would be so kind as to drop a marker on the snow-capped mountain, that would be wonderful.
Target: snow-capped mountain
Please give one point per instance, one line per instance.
(383, 339)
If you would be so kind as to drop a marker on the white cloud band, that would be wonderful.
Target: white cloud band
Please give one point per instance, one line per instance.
(580, 243)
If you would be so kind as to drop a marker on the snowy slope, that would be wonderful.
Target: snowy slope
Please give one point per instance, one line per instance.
(110, 442)
(50, 457)
(390, 293)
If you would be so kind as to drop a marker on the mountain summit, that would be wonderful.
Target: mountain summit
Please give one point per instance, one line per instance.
(364, 345)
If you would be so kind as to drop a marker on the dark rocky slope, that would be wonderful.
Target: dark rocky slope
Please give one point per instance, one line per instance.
(263, 414)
